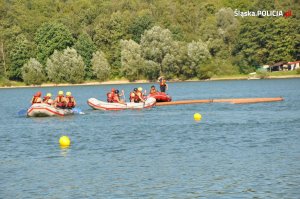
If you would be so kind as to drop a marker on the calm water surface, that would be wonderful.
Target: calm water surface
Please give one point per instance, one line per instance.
(236, 151)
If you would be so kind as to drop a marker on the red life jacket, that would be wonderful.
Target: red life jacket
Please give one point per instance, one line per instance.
(116, 99)
(132, 96)
(46, 99)
(70, 102)
(34, 100)
(136, 97)
(110, 96)
(60, 103)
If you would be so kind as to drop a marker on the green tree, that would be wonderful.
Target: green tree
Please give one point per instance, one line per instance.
(265, 41)
(2, 60)
(228, 27)
(100, 66)
(139, 25)
(151, 70)
(132, 62)
(198, 54)
(156, 43)
(108, 33)
(282, 46)
(19, 55)
(52, 36)
(32, 72)
(66, 66)
(176, 61)
(85, 47)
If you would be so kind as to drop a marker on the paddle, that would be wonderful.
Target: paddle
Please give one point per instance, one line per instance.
(22, 112)
(123, 95)
(77, 111)
(124, 98)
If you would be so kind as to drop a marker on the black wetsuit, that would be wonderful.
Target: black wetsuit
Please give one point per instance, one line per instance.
(162, 86)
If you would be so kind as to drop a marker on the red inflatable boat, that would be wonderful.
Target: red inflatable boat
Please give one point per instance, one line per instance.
(161, 97)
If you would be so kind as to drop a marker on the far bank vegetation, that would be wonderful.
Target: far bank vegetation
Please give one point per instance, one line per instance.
(73, 42)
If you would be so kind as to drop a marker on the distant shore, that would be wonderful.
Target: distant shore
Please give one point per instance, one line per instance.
(112, 82)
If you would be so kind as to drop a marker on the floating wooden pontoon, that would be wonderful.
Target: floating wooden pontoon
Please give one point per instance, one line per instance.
(232, 101)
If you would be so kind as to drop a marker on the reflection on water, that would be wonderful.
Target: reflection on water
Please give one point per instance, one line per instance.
(64, 150)
(235, 151)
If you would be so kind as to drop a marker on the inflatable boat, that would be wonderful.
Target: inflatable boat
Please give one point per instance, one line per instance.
(45, 110)
(161, 97)
(100, 105)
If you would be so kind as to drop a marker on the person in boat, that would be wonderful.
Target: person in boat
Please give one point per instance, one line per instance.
(36, 98)
(133, 95)
(60, 100)
(47, 99)
(117, 97)
(153, 90)
(140, 96)
(70, 101)
(163, 85)
(110, 95)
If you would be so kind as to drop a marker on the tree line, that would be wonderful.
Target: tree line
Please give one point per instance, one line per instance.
(74, 41)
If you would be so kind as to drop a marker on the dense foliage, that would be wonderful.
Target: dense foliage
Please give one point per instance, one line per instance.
(100, 66)
(33, 72)
(142, 39)
(65, 66)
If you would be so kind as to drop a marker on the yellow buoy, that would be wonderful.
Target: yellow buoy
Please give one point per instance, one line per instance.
(64, 141)
(197, 116)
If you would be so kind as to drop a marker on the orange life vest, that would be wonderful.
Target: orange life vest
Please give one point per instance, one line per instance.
(132, 96)
(46, 100)
(34, 100)
(110, 96)
(137, 96)
(116, 98)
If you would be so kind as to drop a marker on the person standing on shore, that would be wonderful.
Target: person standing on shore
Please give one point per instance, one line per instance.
(163, 85)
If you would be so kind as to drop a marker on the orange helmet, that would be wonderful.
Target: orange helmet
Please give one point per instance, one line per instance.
(38, 94)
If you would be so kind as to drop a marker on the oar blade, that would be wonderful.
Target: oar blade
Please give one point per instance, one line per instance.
(22, 112)
(78, 111)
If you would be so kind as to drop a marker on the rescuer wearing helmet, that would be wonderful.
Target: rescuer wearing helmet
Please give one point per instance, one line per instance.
(36, 98)
(110, 95)
(140, 96)
(133, 96)
(60, 100)
(117, 96)
(47, 99)
(70, 101)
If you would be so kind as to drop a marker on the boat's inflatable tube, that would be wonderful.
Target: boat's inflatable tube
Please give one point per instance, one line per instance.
(45, 110)
(161, 97)
(100, 105)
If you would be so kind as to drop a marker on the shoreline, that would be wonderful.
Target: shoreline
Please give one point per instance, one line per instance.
(113, 82)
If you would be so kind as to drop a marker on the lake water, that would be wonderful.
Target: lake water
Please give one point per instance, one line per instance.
(235, 151)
